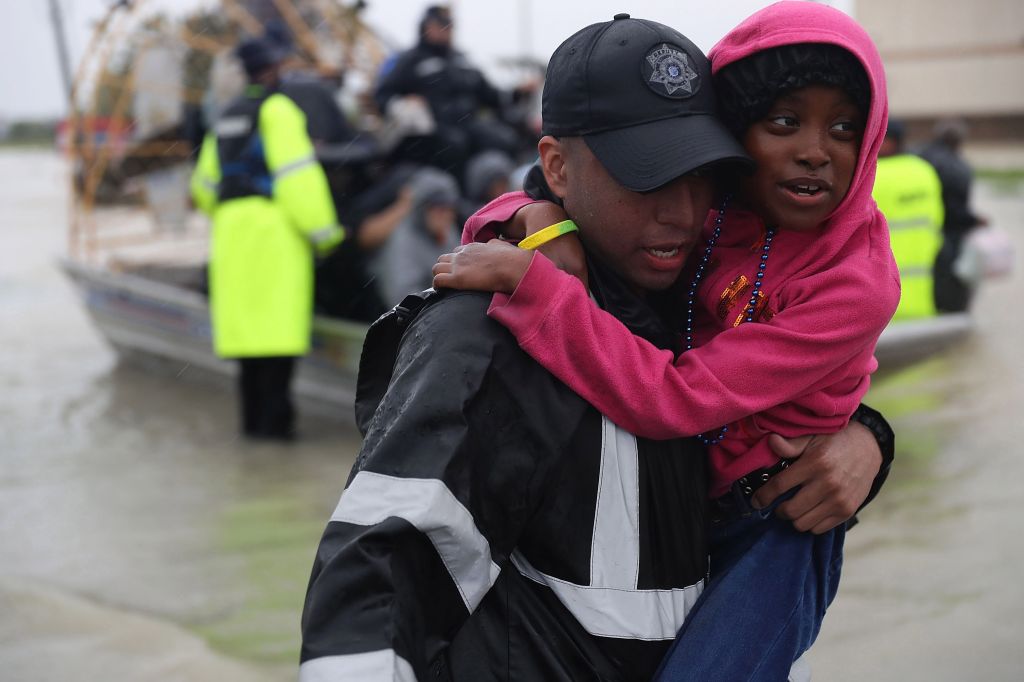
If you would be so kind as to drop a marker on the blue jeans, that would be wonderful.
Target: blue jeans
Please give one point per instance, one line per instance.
(765, 601)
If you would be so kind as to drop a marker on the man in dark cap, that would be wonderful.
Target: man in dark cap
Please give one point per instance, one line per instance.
(456, 93)
(495, 525)
(267, 196)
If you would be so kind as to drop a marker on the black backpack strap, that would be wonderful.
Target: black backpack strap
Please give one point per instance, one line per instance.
(243, 165)
(380, 350)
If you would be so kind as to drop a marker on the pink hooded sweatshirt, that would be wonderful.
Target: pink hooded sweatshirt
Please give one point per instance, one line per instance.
(802, 367)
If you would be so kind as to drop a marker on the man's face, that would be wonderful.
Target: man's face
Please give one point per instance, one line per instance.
(270, 76)
(644, 237)
(497, 187)
(439, 220)
(438, 31)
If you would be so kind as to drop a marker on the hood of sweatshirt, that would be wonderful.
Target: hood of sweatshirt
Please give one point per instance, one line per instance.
(800, 21)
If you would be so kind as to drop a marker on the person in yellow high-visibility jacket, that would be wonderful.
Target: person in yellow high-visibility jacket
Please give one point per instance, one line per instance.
(271, 210)
(908, 192)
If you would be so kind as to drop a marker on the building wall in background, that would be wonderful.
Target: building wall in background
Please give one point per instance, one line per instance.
(946, 58)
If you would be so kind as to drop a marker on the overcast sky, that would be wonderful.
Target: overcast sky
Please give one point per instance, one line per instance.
(485, 29)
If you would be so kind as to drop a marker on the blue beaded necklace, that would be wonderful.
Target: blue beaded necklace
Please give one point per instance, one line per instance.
(751, 304)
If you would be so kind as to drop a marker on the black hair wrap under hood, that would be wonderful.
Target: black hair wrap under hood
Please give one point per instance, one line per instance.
(748, 88)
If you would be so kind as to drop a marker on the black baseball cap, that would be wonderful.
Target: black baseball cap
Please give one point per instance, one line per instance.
(441, 14)
(259, 54)
(640, 94)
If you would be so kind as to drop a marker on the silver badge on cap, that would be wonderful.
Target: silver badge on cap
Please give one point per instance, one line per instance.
(670, 68)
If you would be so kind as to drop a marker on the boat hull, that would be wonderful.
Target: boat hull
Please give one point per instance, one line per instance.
(903, 344)
(142, 317)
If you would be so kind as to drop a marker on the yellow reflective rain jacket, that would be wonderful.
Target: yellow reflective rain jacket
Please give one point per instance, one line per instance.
(909, 194)
(271, 208)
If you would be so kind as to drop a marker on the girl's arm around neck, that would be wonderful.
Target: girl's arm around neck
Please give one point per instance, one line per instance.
(497, 266)
(825, 332)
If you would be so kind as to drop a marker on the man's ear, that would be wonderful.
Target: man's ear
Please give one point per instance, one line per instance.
(553, 161)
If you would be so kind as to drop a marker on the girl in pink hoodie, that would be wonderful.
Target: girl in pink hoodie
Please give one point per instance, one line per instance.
(784, 304)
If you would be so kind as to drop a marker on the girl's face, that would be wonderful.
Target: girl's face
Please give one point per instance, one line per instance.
(806, 151)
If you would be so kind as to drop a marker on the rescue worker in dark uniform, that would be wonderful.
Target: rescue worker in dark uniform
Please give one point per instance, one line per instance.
(495, 526)
(909, 194)
(455, 92)
(271, 210)
(952, 295)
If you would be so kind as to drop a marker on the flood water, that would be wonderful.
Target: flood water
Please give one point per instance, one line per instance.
(141, 540)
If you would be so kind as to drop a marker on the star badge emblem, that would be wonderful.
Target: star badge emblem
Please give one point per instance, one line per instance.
(671, 68)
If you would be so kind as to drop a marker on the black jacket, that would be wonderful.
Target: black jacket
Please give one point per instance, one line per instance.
(455, 89)
(495, 526)
(956, 177)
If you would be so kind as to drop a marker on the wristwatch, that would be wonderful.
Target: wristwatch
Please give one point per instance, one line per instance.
(886, 439)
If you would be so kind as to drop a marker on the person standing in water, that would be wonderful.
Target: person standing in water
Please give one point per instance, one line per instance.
(259, 181)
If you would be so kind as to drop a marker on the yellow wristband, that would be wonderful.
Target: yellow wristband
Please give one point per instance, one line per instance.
(550, 232)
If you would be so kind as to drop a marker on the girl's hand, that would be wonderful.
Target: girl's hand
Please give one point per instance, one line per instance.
(566, 251)
(496, 266)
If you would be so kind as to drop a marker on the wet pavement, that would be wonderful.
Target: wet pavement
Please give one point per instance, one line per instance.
(141, 540)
